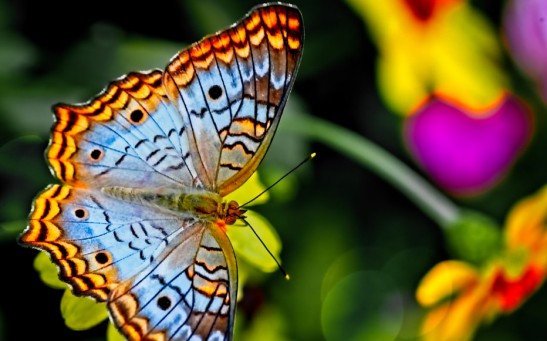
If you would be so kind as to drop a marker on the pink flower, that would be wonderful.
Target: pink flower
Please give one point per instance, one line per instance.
(467, 151)
(525, 27)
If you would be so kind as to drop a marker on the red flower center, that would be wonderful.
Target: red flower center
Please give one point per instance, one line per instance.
(421, 9)
(424, 10)
(512, 292)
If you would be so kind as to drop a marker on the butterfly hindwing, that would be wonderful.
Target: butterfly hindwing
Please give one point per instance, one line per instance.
(231, 89)
(188, 291)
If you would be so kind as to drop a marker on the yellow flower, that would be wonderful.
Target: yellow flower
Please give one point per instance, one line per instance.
(438, 46)
(462, 296)
(81, 313)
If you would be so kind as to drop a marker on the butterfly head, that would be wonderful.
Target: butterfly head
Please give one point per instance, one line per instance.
(232, 212)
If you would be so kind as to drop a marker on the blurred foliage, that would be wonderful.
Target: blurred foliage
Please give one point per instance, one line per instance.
(355, 247)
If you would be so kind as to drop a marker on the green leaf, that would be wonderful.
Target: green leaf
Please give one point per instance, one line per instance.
(284, 190)
(48, 271)
(250, 189)
(248, 247)
(81, 313)
(112, 334)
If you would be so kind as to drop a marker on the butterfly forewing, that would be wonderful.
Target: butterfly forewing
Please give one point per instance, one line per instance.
(232, 87)
(130, 135)
(200, 128)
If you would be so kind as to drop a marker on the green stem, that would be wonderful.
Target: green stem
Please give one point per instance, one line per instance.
(356, 147)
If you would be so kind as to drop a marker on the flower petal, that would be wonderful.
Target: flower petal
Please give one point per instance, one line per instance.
(456, 320)
(455, 52)
(525, 28)
(247, 245)
(512, 292)
(526, 221)
(464, 151)
(445, 279)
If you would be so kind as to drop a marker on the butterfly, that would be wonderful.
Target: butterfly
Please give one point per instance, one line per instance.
(138, 220)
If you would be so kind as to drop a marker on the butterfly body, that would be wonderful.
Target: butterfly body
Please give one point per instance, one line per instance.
(193, 202)
(139, 218)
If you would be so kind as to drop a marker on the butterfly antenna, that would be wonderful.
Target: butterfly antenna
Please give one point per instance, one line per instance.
(285, 274)
(311, 156)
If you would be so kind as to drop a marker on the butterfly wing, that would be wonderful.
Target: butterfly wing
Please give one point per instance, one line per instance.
(98, 241)
(187, 293)
(232, 87)
(130, 135)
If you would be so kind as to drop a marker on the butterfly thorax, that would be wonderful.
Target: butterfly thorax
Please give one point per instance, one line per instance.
(202, 204)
